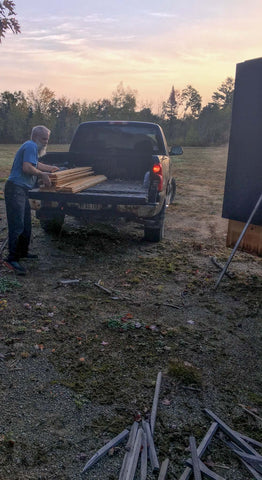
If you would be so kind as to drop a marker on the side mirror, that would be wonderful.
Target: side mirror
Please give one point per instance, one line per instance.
(176, 150)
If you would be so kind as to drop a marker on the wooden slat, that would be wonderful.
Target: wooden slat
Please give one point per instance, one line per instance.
(82, 184)
(69, 178)
(69, 171)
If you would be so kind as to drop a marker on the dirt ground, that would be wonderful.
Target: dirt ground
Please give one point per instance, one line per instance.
(78, 363)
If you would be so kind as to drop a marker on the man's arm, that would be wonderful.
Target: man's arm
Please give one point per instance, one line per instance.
(31, 170)
(47, 168)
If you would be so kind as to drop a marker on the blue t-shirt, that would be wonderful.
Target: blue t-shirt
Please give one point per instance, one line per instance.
(28, 152)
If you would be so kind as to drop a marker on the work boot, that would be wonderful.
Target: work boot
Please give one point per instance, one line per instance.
(15, 267)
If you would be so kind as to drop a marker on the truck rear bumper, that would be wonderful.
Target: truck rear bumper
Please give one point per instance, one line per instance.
(94, 207)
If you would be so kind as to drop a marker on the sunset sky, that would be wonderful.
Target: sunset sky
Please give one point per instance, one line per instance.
(83, 49)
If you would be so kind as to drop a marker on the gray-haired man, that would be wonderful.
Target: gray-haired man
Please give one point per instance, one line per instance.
(24, 173)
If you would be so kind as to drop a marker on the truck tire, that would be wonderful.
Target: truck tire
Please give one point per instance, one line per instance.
(52, 225)
(155, 233)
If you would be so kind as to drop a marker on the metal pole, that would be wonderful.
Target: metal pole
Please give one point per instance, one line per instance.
(238, 242)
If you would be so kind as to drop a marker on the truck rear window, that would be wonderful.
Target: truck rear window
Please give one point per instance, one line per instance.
(117, 135)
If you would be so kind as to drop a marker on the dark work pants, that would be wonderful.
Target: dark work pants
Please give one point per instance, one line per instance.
(19, 220)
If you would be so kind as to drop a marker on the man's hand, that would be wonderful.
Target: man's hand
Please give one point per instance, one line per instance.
(45, 179)
(54, 169)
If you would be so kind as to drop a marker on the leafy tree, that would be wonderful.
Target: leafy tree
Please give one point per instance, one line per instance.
(192, 101)
(41, 99)
(13, 116)
(99, 110)
(7, 18)
(224, 94)
(124, 101)
(214, 125)
(171, 105)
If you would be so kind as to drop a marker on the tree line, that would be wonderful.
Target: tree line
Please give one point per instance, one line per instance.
(181, 116)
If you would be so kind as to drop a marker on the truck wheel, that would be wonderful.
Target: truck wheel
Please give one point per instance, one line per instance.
(156, 233)
(52, 225)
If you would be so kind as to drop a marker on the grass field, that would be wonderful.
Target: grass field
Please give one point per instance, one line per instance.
(195, 154)
(7, 153)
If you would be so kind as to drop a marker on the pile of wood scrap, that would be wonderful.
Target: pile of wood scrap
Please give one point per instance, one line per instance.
(73, 180)
(139, 447)
(240, 444)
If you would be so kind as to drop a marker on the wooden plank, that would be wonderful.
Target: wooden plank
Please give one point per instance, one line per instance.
(70, 179)
(206, 471)
(80, 185)
(251, 242)
(195, 459)
(254, 460)
(133, 430)
(124, 466)
(143, 474)
(69, 171)
(255, 474)
(251, 440)
(163, 469)
(103, 451)
(135, 455)
(155, 402)
(151, 446)
(232, 433)
(201, 448)
(67, 175)
(129, 447)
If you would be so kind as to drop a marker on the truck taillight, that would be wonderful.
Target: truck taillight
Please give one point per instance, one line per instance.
(157, 173)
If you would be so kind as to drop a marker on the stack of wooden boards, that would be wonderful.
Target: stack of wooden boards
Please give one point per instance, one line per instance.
(73, 180)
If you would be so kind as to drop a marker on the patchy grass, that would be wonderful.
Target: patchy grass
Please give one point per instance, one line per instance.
(7, 285)
(184, 372)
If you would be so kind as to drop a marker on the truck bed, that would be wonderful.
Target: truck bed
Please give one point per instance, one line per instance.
(115, 192)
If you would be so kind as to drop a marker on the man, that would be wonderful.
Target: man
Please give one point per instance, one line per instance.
(24, 173)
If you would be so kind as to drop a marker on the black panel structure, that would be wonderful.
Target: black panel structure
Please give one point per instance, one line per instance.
(243, 185)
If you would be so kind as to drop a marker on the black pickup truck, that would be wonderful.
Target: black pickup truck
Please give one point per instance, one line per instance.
(135, 159)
